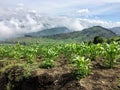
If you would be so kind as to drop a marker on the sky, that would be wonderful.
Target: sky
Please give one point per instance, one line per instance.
(72, 14)
(108, 10)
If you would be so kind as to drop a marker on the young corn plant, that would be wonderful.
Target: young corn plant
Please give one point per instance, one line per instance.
(83, 50)
(16, 52)
(2, 52)
(111, 53)
(82, 67)
(93, 52)
(49, 61)
(30, 54)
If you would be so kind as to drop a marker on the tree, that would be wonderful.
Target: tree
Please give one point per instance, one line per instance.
(98, 39)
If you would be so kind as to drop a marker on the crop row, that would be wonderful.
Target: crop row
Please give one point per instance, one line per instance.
(79, 55)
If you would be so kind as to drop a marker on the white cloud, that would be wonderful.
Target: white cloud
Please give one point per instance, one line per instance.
(14, 23)
(32, 11)
(83, 12)
(111, 1)
(5, 32)
(31, 21)
(20, 4)
(67, 7)
(90, 23)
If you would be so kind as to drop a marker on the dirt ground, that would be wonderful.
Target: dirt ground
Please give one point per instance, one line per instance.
(61, 78)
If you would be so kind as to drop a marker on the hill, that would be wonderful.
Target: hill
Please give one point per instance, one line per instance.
(116, 30)
(76, 36)
(48, 32)
(86, 34)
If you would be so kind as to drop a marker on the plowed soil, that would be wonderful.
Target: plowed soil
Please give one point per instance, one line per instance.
(61, 78)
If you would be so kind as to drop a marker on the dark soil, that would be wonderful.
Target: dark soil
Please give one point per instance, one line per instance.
(61, 78)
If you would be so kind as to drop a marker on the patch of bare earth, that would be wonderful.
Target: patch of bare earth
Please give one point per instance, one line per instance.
(102, 79)
(61, 78)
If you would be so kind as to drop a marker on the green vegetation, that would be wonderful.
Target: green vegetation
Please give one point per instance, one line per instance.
(21, 58)
(81, 66)
(49, 63)
(48, 32)
(86, 34)
(98, 39)
(50, 52)
(71, 37)
(111, 53)
(20, 61)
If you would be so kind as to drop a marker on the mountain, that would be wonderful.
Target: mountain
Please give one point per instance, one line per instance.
(75, 36)
(17, 22)
(116, 30)
(86, 34)
(48, 32)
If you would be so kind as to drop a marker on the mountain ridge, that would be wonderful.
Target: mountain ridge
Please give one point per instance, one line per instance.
(86, 34)
(49, 32)
(116, 30)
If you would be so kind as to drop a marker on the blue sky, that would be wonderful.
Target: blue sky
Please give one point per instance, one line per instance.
(108, 10)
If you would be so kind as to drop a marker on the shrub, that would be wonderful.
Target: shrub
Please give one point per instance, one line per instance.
(98, 39)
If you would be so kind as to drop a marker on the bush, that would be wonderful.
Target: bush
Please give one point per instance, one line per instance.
(98, 39)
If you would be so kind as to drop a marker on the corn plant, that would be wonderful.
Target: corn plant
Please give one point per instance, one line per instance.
(30, 54)
(50, 54)
(111, 53)
(83, 49)
(48, 63)
(82, 66)
(2, 53)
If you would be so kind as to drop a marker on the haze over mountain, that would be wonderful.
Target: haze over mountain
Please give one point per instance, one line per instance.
(86, 34)
(116, 30)
(74, 36)
(48, 32)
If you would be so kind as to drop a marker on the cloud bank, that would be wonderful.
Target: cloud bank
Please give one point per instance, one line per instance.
(20, 21)
(99, 8)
